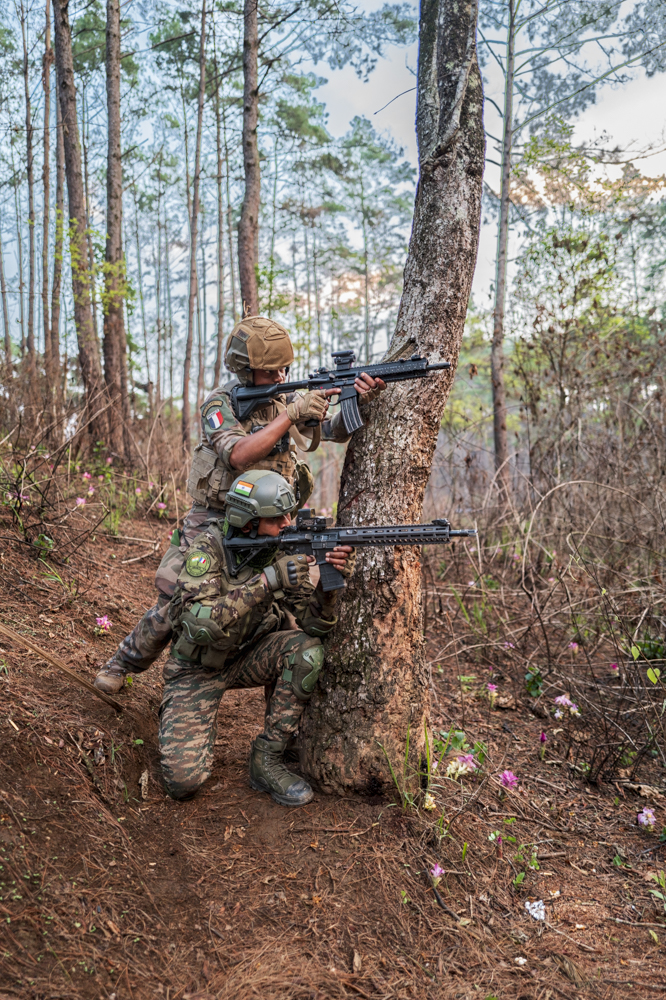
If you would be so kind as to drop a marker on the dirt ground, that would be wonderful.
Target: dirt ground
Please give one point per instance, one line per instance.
(111, 890)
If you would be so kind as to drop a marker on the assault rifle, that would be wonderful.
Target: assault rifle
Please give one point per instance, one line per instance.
(316, 536)
(246, 399)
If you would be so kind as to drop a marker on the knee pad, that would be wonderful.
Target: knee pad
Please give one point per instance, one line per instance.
(302, 667)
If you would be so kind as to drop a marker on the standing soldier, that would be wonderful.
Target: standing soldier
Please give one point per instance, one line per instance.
(258, 352)
(232, 631)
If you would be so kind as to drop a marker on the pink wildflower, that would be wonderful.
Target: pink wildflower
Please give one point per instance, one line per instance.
(161, 506)
(80, 502)
(614, 666)
(104, 623)
(508, 779)
(137, 491)
(87, 475)
(543, 738)
(91, 490)
(437, 871)
(646, 817)
(492, 688)
(101, 479)
(467, 760)
(109, 461)
(564, 700)
(573, 645)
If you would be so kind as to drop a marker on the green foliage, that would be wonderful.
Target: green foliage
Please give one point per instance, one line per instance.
(534, 682)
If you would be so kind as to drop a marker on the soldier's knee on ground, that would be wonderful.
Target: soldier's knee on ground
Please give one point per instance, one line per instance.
(303, 665)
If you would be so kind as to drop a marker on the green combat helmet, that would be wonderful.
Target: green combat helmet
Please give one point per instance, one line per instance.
(257, 342)
(258, 493)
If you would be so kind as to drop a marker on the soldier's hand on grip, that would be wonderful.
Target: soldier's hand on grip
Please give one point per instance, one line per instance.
(310, 406)
(288, 573)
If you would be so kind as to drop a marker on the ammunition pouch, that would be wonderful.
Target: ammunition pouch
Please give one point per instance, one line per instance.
(208, 481)
(302, 668)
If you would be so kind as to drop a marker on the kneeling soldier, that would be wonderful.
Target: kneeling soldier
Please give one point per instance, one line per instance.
(229, 634)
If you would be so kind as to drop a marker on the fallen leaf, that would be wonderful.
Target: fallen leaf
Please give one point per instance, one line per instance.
(464, 921)
(112, 927)
(356, 962)
(143, 784)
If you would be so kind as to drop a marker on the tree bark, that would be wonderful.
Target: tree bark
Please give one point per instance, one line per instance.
(193, 287)
(248, 227)
(373, 693)
(497, 348)
(89, 359)
(50, 368)
(30, 165)
(114, 271)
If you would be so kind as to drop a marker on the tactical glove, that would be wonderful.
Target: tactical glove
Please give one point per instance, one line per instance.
(367, 397)
(350, 565)
(310, 406)
(288, 573)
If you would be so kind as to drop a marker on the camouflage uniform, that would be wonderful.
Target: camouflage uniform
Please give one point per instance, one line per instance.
(248, 649)
(209, 480)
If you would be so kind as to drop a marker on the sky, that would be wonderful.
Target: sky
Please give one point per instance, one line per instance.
(633, 116)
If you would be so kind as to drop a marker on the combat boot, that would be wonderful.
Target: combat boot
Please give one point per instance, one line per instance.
(111, 678)
(268, 774)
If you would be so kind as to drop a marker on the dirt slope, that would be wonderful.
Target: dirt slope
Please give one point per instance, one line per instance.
(110, 894)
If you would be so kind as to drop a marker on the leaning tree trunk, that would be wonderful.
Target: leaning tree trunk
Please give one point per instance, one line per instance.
(374, 689)
(248, 227)
(497, 349)
(114, 271)
(49, 367)
(60, 377)
(89, 359)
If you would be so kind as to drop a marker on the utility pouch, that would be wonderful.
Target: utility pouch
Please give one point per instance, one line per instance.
(208, 480)
(303, 482)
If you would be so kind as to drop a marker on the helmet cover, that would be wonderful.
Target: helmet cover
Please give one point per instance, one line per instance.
(257, 342)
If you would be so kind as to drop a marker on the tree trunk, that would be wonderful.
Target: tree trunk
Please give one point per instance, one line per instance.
(31, 202)
(497, 349)
(219, 347)
(49, 366)
(248, 227)
(58, 242)
(232, 271)
(91, 370)
(5, 310)
(114, 271)
(373, 692)
(192, 298)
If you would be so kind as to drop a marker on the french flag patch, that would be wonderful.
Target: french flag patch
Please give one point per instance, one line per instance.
(216, 420)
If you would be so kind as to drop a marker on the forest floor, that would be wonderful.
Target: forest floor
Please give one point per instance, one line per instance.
(111, 890)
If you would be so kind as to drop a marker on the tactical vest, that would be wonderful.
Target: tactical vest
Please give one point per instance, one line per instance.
(209, 479)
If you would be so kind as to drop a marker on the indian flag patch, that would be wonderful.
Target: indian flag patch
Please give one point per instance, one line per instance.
(215, 419)
(244, 488)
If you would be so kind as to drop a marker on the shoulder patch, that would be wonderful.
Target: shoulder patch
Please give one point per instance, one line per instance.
(197, 563)
(216, 414)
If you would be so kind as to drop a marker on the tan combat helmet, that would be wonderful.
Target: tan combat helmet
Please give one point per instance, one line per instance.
(257, 342)
(258, 493)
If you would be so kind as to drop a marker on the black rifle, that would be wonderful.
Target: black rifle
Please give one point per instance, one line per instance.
(246, 399)
(316, 536)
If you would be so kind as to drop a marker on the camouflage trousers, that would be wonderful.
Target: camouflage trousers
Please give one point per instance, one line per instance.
(151, 636)
(192, 694)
